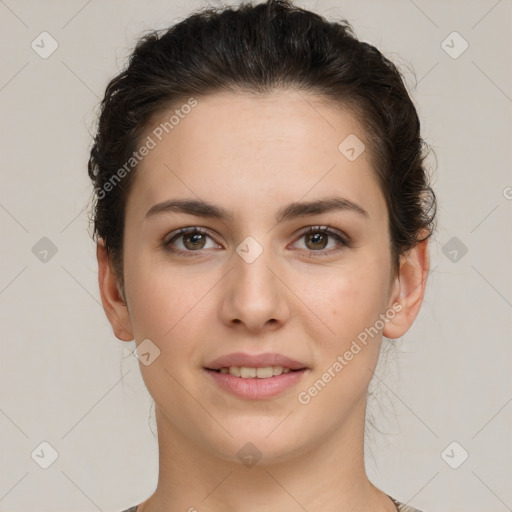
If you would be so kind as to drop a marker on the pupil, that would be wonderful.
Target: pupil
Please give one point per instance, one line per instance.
(315, 237)
(195, 238)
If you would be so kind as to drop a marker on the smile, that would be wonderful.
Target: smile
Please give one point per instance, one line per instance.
(255, 383)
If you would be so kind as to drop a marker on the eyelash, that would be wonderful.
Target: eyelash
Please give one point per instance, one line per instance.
(344, 241)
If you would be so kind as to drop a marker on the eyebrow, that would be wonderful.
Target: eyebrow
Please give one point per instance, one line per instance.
(288, 212)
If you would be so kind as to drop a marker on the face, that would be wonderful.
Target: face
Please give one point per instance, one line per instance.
(259, 273)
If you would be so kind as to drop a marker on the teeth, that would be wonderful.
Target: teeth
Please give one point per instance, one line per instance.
(249, 373)
(235, 371)
(277, 370)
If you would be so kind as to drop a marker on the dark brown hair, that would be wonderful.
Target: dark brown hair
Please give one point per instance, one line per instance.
(259, 49)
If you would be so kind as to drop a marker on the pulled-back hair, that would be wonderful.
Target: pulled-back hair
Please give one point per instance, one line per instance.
(259, 49)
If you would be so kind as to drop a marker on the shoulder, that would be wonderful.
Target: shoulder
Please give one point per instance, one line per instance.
(402, 507)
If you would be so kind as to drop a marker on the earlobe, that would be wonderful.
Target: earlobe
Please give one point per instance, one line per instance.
(409, 289)
(111, 296)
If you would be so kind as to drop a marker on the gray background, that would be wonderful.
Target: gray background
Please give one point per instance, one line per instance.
(65, 379)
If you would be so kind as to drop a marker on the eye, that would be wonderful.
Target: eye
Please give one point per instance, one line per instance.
(193, 239)
(187, 241)
(317, 239)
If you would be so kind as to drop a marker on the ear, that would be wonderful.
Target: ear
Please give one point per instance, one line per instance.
(111, 297)
(408, 289)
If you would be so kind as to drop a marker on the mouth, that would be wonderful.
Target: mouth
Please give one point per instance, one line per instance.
(251, 383)
(255, 376)
(246, 372)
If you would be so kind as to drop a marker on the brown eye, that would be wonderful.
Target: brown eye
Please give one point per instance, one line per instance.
(317, 240)
(194, 240)
(187, 241)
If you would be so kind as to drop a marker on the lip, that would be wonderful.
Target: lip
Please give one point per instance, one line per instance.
(256, 388)
(255, 361)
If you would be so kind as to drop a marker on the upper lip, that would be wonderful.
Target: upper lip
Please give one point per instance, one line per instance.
(255, 361)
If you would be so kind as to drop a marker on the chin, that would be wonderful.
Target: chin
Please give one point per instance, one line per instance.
(262, 446)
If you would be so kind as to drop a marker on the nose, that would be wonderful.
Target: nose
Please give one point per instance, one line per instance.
(254, 294)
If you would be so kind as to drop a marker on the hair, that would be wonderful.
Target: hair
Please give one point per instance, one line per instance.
(260, 49)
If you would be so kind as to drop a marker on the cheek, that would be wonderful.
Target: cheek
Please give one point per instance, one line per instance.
(349, 303)
(169, 305)
(157, 297)
(347, 300)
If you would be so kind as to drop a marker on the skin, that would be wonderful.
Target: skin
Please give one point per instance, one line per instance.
(253, 155)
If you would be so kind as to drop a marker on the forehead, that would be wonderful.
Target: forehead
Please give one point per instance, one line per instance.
(280, 121)
(242, 146)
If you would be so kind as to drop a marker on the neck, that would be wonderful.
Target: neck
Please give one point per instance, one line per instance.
(329, 477)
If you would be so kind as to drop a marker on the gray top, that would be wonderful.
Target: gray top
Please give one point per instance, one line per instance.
(400, 507)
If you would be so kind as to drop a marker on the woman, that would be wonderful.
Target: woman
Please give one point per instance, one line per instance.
(262, 219)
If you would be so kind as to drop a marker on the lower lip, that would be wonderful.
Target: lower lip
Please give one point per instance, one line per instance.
(255, 388)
